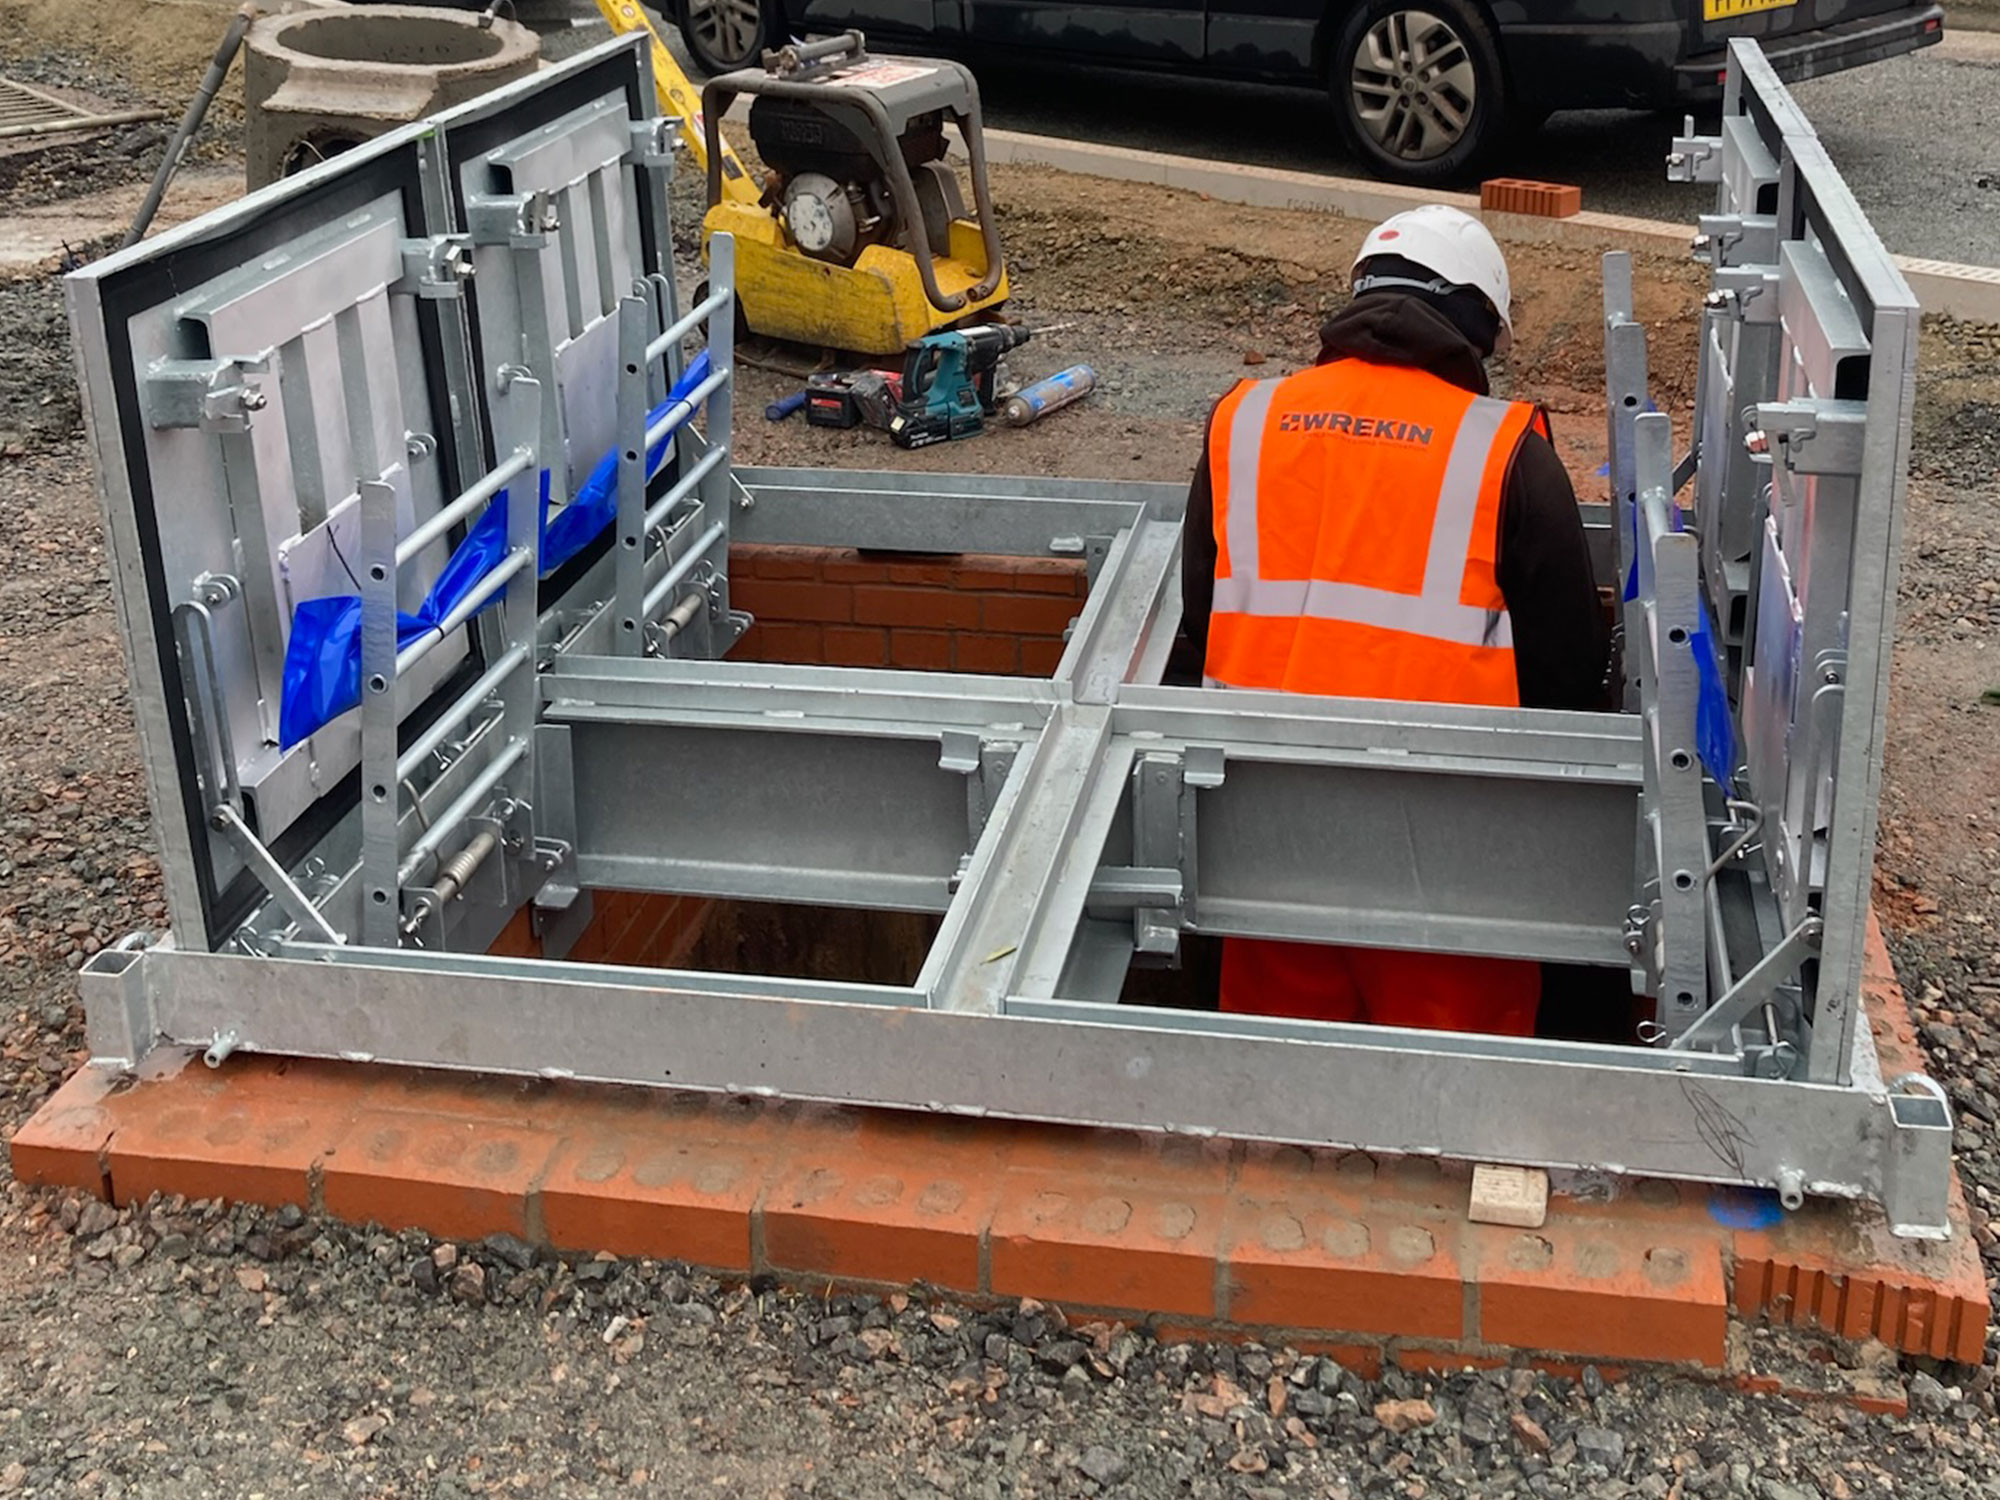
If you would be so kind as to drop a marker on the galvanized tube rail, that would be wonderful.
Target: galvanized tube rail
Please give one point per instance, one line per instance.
(672, 579)
(412, 760)
(503, 573)
(657, 514)
(462, 508)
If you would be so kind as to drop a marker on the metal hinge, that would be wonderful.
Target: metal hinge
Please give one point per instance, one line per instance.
(521, 221)
(653, 144)
(435, 268)
(210, 394)
(1811, 437)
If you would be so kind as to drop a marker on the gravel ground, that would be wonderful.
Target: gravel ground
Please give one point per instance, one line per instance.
(190, 1350)
(185, 1350)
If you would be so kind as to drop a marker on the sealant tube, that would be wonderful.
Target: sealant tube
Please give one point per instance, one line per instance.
(1044, 396)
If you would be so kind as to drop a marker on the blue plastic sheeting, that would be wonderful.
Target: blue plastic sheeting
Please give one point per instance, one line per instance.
(1714, 728)
(323, 656)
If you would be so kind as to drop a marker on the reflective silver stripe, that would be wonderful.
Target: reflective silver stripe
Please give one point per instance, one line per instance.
(1436, 612)
(1357, 604)
(1246, 446)
(1458, 498)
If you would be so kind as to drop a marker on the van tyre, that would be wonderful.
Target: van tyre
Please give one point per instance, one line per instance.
(1418, 89)
(724, 35)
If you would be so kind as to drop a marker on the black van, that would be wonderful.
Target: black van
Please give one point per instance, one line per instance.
(1425, 89)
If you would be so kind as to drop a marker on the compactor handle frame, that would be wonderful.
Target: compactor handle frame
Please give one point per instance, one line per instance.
(722, 92)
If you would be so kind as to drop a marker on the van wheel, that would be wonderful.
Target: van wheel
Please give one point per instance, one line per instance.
(724, 35)
(1418, 88)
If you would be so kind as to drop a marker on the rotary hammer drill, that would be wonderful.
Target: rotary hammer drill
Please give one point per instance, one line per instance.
(948, 382)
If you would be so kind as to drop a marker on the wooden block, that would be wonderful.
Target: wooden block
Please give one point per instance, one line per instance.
(1509, 1195)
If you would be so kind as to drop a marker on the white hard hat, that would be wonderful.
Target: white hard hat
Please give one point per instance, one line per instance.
(1452, 245)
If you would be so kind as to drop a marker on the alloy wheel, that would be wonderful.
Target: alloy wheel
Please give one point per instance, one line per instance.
(728, 30)
(1413, 85)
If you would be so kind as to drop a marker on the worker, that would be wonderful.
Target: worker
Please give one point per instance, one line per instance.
(1377, 526)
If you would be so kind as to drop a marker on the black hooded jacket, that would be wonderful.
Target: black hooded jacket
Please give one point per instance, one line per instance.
(1562, 645)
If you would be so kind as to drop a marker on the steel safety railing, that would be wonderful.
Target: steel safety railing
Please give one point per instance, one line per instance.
(386, 769)
(688, 525)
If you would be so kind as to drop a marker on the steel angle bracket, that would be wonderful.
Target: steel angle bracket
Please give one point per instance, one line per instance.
(1694, 158)
(985, 762)
(1158, 887)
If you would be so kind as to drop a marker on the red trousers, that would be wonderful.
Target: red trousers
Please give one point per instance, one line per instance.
(1381, 986)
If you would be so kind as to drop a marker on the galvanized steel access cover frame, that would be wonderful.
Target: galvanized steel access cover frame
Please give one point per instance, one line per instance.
(318, 390)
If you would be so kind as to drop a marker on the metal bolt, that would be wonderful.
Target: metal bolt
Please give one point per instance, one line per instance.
(218, 1052)
(254, 399)
(1676, 160)
(1717, 300)
(1701, 244)
(1757, 443)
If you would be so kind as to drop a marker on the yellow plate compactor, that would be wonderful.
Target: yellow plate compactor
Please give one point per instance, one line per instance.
(858, 238)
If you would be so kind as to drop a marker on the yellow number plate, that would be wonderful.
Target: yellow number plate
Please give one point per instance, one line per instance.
(1729, 10)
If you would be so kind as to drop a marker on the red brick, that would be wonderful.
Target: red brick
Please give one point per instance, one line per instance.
(650, 914)
(879, 1197)
(455, 1177)
(1514, 195)
(924, 650)
(1017, 614)
(856, 646)
(1108, 1241)
(1444, 1361)
(1039, 658)
(475, 1098)
(788, 564)
(986, 653)
(1111, 1219)
(925, 609)
(1615, 1290)
(796, 602)
(1307, 1260)
(616, 913)
(678, 929)
(62, 1144)
(251, 1132)
(517, 939)
(675, 1177)
(1023, 576)
(847, 566)
(781, 641)
(929, 574)
(1364, 1360)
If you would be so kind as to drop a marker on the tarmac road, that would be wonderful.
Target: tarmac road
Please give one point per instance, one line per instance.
(1915, 136)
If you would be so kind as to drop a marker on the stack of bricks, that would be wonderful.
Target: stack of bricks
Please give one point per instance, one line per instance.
(841, 608)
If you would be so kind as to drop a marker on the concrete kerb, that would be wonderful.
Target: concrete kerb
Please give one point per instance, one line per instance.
(1971, 292)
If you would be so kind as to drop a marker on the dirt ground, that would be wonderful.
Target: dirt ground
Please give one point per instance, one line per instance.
(189, 1351)
(1172, 296)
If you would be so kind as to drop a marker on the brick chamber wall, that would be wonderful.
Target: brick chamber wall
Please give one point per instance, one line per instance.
(842, 608)
(830, 606)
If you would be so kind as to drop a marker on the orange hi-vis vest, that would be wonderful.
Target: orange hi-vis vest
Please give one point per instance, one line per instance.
(1357, 519)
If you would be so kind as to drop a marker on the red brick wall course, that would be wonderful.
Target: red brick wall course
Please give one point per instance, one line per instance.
(829, 606)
